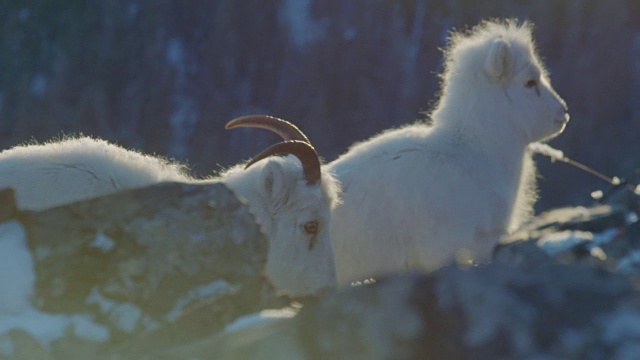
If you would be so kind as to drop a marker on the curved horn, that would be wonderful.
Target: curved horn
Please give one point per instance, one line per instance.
(300, 149)
(285, 129)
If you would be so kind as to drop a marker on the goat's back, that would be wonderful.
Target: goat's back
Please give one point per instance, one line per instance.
(412, 198)
(73, 169)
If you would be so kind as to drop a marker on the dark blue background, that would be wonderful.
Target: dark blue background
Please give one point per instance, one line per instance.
(164, 76)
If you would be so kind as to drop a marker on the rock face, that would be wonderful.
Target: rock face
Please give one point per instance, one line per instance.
(154, 267)
(493, 312)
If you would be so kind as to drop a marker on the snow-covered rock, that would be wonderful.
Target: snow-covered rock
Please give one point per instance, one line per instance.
(130, 274)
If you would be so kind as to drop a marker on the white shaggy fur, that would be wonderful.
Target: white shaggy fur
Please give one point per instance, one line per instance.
(73, 169)
(418, 196)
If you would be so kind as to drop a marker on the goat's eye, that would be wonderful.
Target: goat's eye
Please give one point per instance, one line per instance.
(311, 227)
(531, 83)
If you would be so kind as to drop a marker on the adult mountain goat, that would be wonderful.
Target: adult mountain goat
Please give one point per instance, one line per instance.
(290, 196)
(418, 196)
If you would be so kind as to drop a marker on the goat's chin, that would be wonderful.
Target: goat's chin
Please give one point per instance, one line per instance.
(560, 126)
(555, 129)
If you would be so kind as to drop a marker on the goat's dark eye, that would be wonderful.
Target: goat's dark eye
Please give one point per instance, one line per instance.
(531, 83)
(311, 227)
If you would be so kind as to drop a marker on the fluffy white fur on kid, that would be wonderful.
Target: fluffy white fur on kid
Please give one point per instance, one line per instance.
(415, 197)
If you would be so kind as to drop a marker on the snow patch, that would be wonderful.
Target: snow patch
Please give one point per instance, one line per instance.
(604, 237)
(49, 327)
(103, 303)
(17, 274)
(103, 242)
(17, 286)
(214, 290)
(262, 318)
(559, 242)
(125, 316)
(562, 241)
(84, 327)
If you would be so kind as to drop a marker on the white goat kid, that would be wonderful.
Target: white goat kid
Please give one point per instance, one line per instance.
(289, 196)
(422, 195)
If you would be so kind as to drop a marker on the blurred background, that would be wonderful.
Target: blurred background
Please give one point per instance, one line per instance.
(165, 76)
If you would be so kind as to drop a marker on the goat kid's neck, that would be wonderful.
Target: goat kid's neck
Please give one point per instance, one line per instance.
(502, 145)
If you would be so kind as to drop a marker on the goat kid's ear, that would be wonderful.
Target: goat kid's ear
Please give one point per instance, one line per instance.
(499, 60)
(277, 185)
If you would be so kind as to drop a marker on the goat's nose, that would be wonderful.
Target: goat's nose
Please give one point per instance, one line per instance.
(562, 115)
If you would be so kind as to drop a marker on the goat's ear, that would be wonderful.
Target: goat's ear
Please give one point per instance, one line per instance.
(276, 183)
(499, 60)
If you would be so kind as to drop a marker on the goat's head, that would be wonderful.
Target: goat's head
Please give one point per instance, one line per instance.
(296, 199)
(533, 102)
(502, 57)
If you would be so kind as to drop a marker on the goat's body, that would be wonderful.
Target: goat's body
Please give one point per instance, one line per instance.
(422, 196)
(57, 173)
